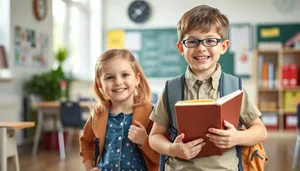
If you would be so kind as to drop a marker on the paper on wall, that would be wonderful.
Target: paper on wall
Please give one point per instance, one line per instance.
(133, 41)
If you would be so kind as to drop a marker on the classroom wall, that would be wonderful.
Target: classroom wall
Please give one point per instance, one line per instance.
(166, 13)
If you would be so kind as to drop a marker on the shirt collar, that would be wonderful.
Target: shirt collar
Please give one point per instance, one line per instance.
(192, 79)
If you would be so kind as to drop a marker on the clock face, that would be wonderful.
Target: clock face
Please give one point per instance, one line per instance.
(40, 9)
(139, 11)
(284, 5)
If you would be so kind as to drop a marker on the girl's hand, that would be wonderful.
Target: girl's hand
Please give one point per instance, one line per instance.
(94, 169)
(137, 133)
(224, 138)
(187, 150)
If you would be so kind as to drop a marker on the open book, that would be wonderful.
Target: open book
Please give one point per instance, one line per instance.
(195, 117)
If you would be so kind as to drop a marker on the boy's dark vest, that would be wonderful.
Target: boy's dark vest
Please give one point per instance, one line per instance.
(227, 84)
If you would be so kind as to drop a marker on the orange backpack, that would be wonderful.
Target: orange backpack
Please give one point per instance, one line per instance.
(254, 157)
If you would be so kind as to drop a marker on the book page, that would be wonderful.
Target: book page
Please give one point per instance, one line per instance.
(195, 102)
(228, 97)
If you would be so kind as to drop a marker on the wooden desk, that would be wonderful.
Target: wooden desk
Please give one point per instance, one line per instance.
(49, 108)
(8, 141)
(17, 125)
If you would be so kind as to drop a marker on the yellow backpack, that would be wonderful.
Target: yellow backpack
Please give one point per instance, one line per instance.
(254, 157)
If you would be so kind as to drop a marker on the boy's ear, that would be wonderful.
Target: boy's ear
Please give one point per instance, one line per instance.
(180, 47)
(225, 45)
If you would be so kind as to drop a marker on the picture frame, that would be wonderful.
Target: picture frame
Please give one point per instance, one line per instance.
(3, 59)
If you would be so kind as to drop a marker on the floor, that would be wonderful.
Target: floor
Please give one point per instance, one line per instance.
(279, 148)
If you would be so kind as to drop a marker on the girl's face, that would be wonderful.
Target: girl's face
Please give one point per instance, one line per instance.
(119, 81)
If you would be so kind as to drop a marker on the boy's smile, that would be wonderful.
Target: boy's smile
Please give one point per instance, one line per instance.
(201, 58)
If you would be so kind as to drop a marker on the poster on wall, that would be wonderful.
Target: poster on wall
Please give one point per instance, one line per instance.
(31, 48)
(240, 45)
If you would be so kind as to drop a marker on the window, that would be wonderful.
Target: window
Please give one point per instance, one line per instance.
(71, 29)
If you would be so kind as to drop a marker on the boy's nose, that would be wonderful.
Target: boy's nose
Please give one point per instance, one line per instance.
(201, 47)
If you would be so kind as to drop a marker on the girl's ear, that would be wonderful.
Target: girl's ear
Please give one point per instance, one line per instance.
(99, 85)
(180, 47)
(138, 78)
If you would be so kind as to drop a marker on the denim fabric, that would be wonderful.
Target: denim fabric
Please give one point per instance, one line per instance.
(119, 153)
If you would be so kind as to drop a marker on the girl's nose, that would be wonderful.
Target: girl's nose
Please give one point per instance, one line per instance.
(118, 82)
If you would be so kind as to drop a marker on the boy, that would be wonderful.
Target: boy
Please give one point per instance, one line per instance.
(202, 38)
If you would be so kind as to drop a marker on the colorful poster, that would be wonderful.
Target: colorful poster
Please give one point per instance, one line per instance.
(31, 48)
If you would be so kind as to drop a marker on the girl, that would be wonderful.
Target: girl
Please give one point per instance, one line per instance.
(121, 118)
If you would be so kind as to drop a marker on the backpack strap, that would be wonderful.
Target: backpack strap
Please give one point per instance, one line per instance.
(172, 96)
(96, 146)
(228, 84)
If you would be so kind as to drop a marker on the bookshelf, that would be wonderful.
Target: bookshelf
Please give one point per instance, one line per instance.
(276, 98)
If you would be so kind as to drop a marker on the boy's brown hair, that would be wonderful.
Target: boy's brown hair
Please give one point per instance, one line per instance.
(203, 18)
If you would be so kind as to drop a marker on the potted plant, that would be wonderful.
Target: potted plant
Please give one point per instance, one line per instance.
(47, 85)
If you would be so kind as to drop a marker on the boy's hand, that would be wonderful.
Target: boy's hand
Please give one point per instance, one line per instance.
(224, 138)
(187, 150)
(137, 134)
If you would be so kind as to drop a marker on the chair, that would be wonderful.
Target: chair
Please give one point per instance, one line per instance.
(297, 144)
(71, 119)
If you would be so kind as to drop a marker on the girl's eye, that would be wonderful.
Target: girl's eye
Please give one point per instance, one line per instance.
(109, 78)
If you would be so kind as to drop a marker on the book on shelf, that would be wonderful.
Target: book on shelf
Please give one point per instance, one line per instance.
(269, 45)
(195, 117)
(289, 76)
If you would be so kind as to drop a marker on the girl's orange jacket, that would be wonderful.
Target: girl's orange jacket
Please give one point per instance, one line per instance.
(98, 129)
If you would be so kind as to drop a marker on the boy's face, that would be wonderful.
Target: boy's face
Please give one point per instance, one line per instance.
(202, 58)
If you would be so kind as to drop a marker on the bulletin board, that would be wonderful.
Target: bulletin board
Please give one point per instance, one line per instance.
(31, 48)
(157, 52)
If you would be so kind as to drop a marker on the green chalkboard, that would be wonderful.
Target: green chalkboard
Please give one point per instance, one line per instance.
(286, 32)
(159, 56)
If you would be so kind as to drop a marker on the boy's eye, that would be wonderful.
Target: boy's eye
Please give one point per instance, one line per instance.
(210, 41)
(191, 42)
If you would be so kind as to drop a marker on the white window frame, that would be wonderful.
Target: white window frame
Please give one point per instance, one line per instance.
(85, 61)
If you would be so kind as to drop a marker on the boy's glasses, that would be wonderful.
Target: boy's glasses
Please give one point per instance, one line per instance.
(208, 42)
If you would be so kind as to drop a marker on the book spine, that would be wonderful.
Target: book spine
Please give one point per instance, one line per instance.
(271, 75)
(260, 71)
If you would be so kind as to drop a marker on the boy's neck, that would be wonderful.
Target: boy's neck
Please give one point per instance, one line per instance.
(203, 75)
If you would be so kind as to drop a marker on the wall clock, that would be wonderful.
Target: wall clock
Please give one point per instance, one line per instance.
(139, 11)
(40, 9)
(285, 5)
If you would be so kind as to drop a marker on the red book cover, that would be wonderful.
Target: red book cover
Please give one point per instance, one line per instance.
(285, 76)
(194, 117)
(293, 72)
